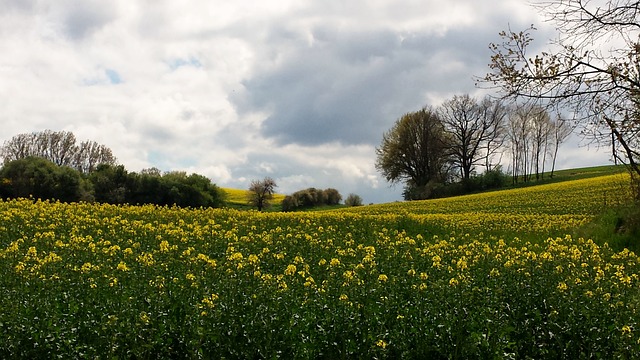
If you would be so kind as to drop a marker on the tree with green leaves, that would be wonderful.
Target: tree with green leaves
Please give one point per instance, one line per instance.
(415, 151)
(41, 179)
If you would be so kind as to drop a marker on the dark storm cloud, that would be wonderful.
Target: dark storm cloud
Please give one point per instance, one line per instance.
(349, 87)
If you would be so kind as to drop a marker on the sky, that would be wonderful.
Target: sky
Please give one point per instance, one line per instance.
(300, 91)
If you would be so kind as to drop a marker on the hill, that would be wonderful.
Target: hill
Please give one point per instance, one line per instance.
(493, 275)
(237, 199)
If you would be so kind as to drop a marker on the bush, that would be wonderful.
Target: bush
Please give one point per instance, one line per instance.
(311, 197)
(332, 196)
(289, 203)
(353, 200)
(40, 178)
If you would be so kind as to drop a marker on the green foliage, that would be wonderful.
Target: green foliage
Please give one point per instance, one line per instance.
(619, 225)
(489, 180)
(39, 178)
(414, 150)
(311, 197)
(353, 200)
(110, 184)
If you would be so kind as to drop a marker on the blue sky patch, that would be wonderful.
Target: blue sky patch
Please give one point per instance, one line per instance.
(174, 64)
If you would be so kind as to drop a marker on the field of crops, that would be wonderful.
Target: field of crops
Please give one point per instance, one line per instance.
(239, 198)
(435, 279)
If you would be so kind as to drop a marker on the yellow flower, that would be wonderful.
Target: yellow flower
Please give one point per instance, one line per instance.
(562, 286)
(453, 282)
(348, 274)
(381, 343)
(383, 277)
(122, 266)
(290, 270)
(344, 297)
(164, 246)
(334, 262)
(210, 301)
(253, 259)
(144, 317)
(626, 330)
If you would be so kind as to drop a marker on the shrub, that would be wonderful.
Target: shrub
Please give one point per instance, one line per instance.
(353, 200)
(332, 196)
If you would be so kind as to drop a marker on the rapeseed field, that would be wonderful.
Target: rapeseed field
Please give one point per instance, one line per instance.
(448, 278)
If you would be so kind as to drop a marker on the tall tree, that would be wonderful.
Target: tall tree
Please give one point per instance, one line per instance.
(471, 126)
(261, 192)
(494, 143)
(540, 124)
(58, 147)
(414, 150)
(90, 154)
(593, 69)
(560, 131)
(519, 137)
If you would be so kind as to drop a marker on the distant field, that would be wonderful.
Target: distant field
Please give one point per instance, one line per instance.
(237, 198)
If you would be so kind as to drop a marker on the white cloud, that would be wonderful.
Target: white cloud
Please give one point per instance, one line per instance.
(300, 91)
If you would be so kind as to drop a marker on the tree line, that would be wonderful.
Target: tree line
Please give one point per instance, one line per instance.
(49, 165)
(435, 150)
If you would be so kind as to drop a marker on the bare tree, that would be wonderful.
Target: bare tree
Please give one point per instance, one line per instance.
(58, 147)
(91, 154)
(560, 131)
(472, 125)
(520, 137)
(494, 143)
(593, 69)
(540, 124)
(261, 192)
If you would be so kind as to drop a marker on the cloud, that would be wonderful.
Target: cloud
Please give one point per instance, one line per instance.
(299, 91)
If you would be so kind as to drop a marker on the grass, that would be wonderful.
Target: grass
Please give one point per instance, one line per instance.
(571, 174)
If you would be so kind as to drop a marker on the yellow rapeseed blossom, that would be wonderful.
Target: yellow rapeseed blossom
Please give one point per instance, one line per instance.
(122, 266)
(290, 270)
(210, 301)
(562, 286)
